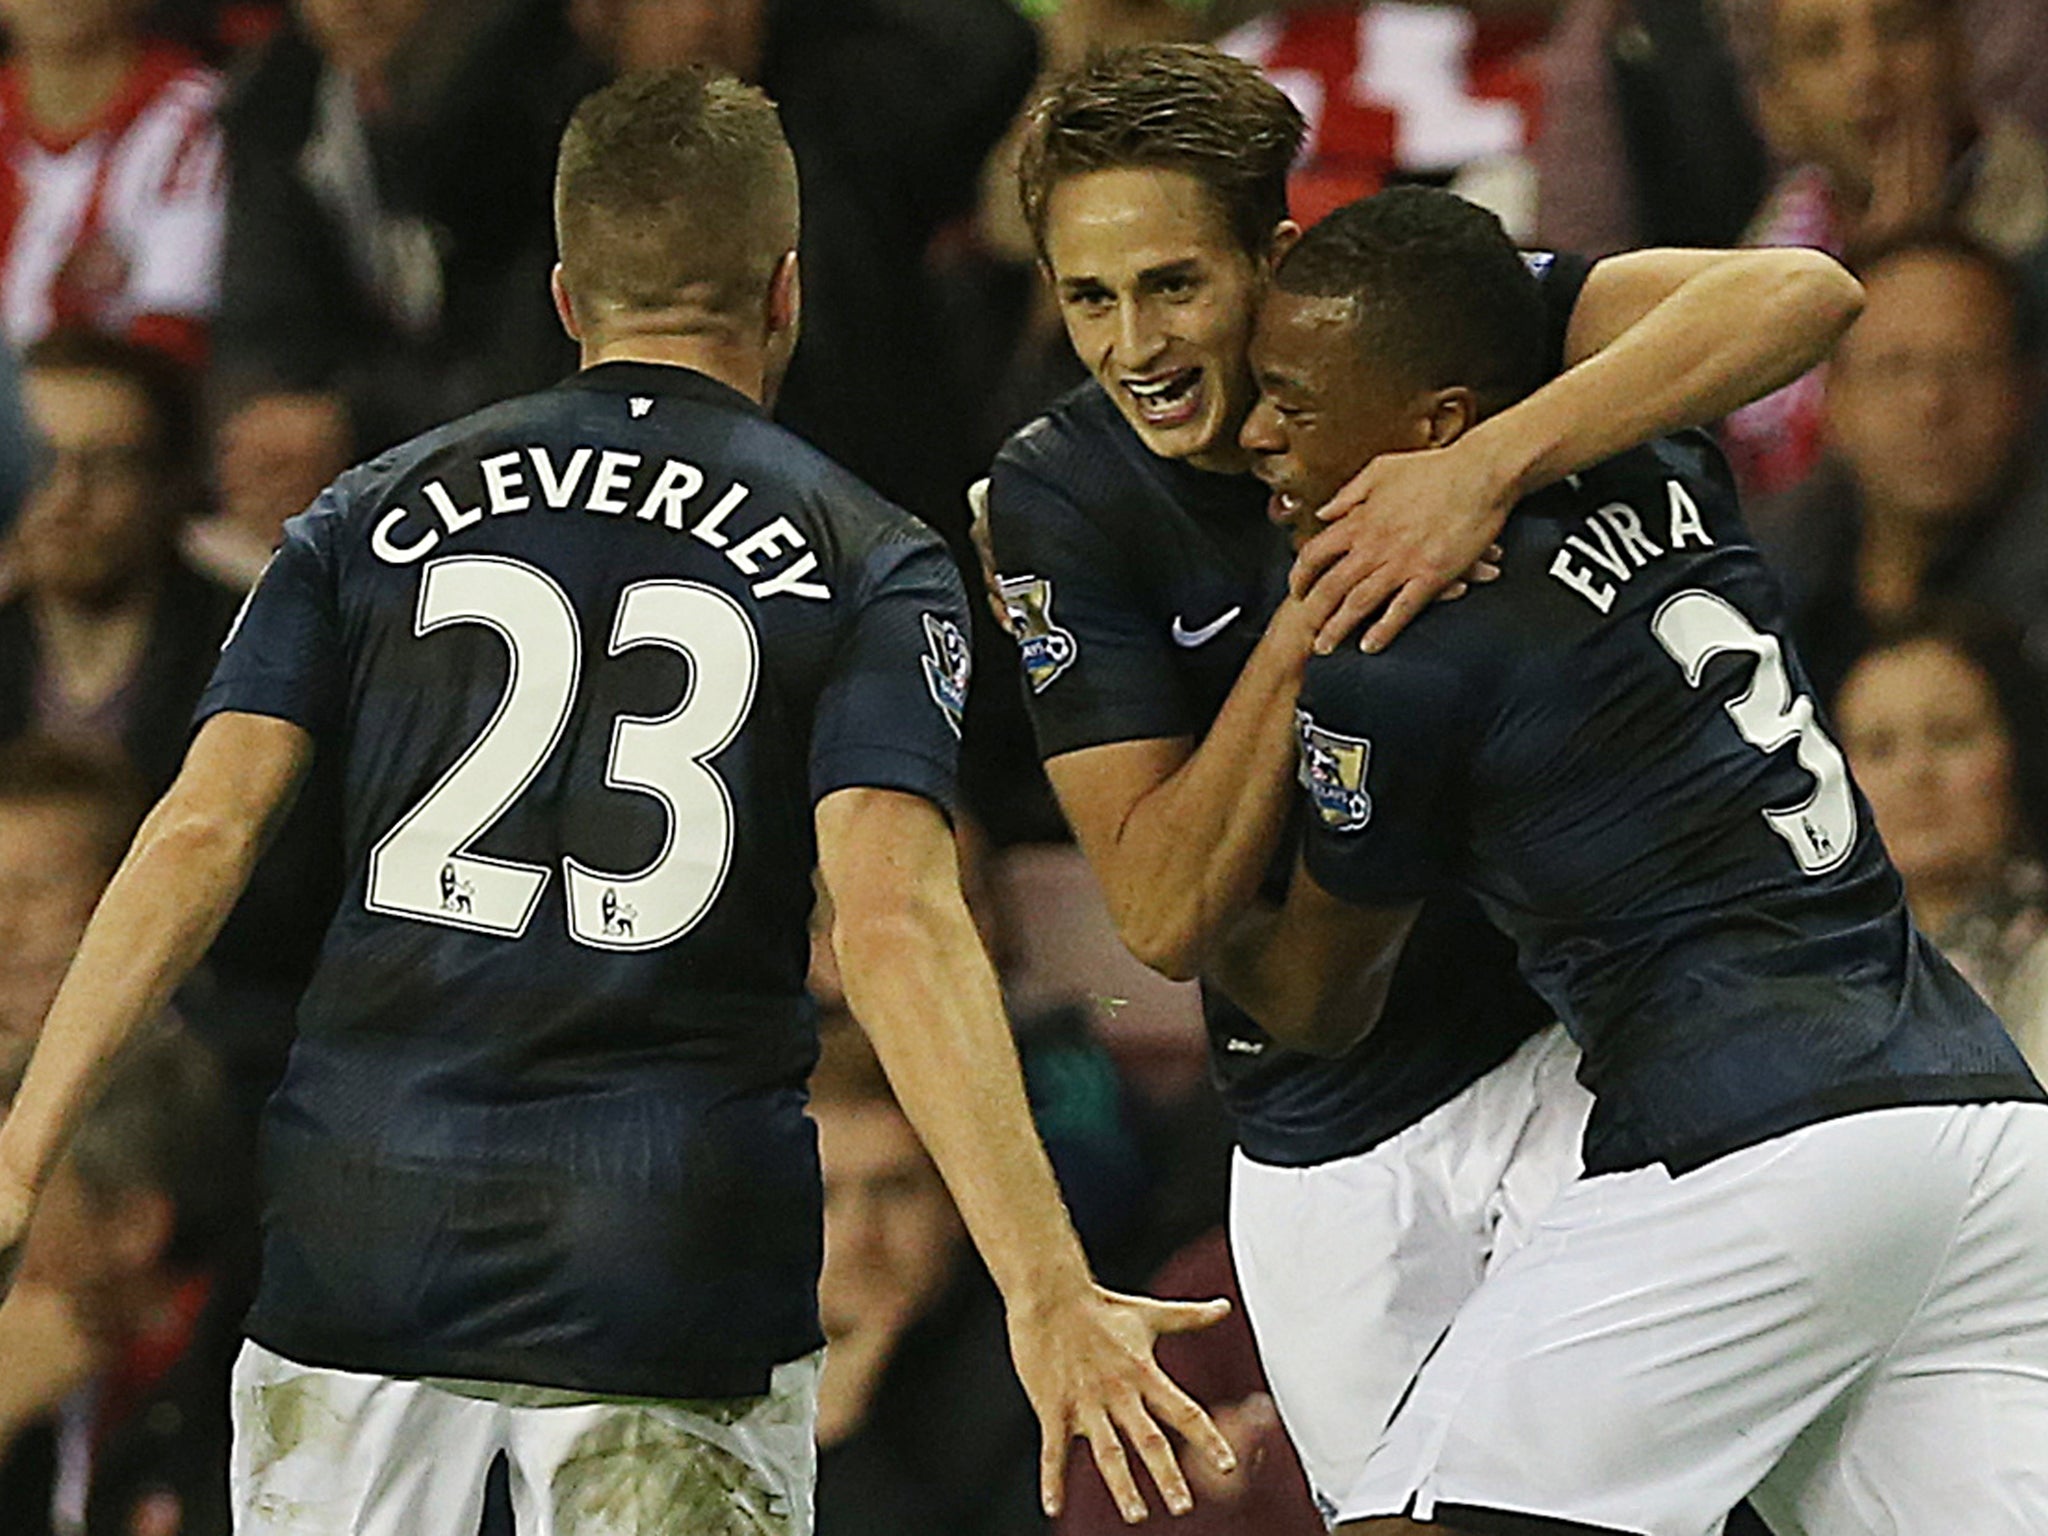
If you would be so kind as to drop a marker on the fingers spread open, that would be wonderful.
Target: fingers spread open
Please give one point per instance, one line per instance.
(1053, 1440)
(1112, 1462)
(1156, 1451)
(1187, 1419)
(1186, 1316)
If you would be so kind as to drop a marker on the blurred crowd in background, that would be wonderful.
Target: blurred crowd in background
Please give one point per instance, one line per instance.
(244, 244)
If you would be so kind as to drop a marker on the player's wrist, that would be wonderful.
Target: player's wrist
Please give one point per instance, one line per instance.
(1047, 1290)
(1512, 454)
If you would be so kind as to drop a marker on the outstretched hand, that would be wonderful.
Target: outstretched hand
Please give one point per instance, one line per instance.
(1409, 529)
(1088, 1368)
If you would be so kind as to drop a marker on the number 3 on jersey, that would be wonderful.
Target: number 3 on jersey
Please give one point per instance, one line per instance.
(1695, 627)
(423, 868)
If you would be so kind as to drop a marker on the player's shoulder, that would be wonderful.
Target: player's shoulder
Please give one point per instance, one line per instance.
(1079, 447)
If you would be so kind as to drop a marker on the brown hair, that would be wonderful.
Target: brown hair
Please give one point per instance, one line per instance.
(672, 180)
(1171, 107)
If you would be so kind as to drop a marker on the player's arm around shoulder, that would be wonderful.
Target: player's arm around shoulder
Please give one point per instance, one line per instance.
(917, 979)
(169, 898)
(1657, 341)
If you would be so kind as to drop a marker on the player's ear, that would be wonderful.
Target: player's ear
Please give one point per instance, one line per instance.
(1285, 233)
(1448, 415)
(564, 310)
(785, 297)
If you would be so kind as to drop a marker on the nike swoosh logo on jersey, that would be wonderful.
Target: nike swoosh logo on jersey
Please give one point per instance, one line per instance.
(1190, 638)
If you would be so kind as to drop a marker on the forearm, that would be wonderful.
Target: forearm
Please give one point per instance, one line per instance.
(1190, 854)
(919, 983)
(1684, 363)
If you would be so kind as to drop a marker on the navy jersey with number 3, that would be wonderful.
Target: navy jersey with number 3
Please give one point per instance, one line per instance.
(1618, 754)
(584, 662)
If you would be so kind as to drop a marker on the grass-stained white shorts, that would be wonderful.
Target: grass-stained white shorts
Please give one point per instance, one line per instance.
(321, 1452)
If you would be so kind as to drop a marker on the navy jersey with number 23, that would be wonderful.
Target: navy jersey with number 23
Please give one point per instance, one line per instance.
(584, 662)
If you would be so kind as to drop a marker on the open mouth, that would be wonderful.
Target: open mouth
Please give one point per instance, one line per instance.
(1282, 507)
(1170, 400)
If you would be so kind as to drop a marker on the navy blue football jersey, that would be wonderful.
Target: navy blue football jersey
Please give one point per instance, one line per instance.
(584, 662)
(1138, 587)
(1616, 751)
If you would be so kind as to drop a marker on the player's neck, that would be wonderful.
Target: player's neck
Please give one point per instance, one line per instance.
(737, 364)
(65, 90)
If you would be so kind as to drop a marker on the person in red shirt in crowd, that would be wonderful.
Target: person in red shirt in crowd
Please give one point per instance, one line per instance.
(111, 186)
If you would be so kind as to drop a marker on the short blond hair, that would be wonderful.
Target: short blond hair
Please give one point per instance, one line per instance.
(672, 187)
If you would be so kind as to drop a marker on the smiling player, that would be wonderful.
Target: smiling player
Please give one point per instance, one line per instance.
(1808, 1254)
(1144, 584)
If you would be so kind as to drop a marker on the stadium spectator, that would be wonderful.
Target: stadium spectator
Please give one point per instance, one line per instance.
(110, 636)
(1934, 487)
(1267, 1495)
(65, 819)
(1946, 727)
(892, 107)
(388, 236)
(119, 1335)
(112, 162)
(921, 1426)
(1868, 98)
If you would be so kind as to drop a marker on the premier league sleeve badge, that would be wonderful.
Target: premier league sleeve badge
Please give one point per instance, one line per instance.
(948, 664)
(1048, 650)
(1333, 772)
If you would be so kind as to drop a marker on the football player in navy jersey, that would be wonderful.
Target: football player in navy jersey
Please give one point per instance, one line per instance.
(1144, 583)
(1809, 1251)
(603, 672)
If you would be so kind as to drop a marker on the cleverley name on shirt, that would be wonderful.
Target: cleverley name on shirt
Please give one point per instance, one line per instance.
(611, 483)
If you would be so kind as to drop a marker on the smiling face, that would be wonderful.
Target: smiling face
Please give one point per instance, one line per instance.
(1323, 412)
(1158, 298)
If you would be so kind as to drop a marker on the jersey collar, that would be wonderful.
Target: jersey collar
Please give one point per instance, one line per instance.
(670, 380)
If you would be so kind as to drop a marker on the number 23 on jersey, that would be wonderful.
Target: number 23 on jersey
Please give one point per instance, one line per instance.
(423, 867)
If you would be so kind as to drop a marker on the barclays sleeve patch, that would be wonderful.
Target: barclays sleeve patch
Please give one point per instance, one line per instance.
(1047, 649)
(1333, 772)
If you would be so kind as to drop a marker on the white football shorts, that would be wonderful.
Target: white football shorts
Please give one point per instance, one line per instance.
(1851, 1320)
(1351, 1270)
(332, 1453)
